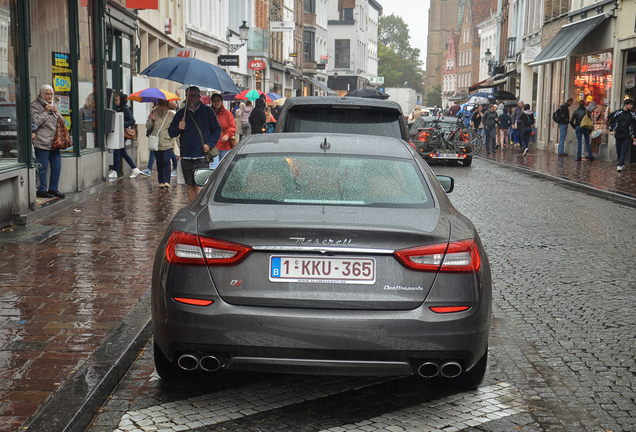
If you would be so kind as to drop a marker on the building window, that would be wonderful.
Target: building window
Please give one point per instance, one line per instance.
(343, 48)
(310, 6)
(308, 45)
(347, 14)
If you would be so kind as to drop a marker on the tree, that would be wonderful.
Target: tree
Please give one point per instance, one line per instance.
(398, 62)
(434, 96)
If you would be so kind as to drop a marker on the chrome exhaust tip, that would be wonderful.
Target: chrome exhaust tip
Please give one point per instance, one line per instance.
(451, 369)
(428, 370)
(188, 362)
(209, 363)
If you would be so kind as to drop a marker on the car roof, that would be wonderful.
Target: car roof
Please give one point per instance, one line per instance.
(341, 101)
(352, 144)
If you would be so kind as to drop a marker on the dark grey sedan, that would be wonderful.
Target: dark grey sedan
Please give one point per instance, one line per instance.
(323, 254)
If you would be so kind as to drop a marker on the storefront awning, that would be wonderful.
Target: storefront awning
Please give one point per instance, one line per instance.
(321, 85)
(292, 72)
(566, 40)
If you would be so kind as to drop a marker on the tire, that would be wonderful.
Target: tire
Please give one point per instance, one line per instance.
(165, 368)
(468, 161)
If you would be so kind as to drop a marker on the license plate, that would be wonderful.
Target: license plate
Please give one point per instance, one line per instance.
(322, 270)
(448, 156)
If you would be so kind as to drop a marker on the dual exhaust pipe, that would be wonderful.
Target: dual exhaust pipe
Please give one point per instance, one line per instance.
(190, 362)
(449, 369)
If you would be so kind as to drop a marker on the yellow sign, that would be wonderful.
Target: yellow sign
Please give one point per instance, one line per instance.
(62, 83)
(67, 121)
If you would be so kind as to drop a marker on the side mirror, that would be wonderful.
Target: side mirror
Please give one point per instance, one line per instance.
(201, 176)
(447, 183)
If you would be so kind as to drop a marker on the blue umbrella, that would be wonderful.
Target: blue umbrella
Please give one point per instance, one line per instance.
(273, 96)
(193, 72)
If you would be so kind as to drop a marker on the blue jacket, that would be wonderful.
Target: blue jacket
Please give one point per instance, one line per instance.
(190, 139)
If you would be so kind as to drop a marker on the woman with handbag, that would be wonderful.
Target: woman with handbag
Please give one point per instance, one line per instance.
(44, 116)
(129, 122)
(159, 140)
(228, 124)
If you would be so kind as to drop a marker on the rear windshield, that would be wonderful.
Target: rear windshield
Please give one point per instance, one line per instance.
(324, 180)
(349, 120)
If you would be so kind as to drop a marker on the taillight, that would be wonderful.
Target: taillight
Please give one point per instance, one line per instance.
(449, 309)
(191, 249)
(422, 136)
(193, 302)
(454, 257)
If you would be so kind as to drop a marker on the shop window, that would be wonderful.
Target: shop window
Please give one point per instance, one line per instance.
(593, 83)
(9, 150)
(86, 84)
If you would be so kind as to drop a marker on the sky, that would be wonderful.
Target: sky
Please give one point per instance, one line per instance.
(415, 14)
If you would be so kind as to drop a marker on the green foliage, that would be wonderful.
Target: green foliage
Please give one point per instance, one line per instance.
(434, 96)
(398, 61)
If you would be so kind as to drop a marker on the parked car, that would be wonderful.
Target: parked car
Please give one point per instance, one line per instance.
(8, 130)
(322, 254)
(439, 138)
(351, 115)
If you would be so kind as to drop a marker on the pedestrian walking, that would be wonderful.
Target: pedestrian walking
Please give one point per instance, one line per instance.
(198, 130)
(516, 137)
(44, 117)
(490, 120)
(228, 125)
(561, 116)
(157, 124)
(476, 120)
(504, 126)
(119, 154)
(577, 122)
(246, 111)
(623, 126)
(258, 118)
(524, 127)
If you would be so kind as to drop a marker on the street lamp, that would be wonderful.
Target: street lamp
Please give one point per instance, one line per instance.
(244, 31)
(489, 60)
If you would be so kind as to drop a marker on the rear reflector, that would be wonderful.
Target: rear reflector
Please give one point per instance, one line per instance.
(191, 249)
(194, 302)
(449, 309)
(454, 257)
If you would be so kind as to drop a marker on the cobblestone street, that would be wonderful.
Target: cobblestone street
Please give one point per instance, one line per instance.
(561, 347)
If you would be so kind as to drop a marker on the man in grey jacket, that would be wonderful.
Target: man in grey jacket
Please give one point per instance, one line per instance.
(490, 120)
(515, 118)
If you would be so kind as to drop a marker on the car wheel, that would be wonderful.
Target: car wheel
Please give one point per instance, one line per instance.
(165, 368)
(468, 161)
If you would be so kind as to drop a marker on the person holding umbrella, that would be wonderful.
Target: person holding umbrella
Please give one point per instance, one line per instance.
(198, 130)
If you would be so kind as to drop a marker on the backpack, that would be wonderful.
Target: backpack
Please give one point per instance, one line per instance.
(557, 117)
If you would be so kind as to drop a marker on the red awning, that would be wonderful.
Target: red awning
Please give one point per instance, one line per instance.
(474, 87)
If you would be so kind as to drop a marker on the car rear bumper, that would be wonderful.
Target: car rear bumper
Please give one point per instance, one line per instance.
(321, 341)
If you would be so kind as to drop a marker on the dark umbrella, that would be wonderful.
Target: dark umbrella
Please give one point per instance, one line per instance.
(368, 93)
(193, 72)
(503, 95)
(510, 104)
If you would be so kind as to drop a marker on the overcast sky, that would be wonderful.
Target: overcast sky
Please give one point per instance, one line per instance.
(415, 14)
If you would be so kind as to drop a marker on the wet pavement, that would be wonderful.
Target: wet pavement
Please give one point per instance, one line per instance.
(74, 289)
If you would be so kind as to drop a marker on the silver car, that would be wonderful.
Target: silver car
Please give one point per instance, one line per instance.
(322, 254)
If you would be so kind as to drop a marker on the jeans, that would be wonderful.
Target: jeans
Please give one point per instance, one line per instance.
(563, 132)
(490, 138)
(46, 157)
(524, 137)
(163, 166)
(622, 145)
(515, 136)
(121, 153)
(173, 157)
(580, 134)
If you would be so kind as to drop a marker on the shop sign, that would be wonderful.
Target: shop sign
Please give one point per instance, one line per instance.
(278, 26)
(629, 81)
(185, 53)
(228, 60)
(61, 72)
(142, 4)
(256, 65)
(321, 66)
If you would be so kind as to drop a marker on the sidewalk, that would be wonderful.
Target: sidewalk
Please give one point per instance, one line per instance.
(74, 302)
(599, 178)
(74, 289)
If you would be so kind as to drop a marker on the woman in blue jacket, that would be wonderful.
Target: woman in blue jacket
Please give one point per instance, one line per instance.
(129, 121)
